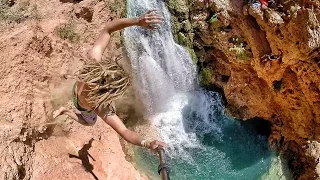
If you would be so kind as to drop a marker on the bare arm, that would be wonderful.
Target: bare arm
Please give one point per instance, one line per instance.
(101, 43)
(130, 136)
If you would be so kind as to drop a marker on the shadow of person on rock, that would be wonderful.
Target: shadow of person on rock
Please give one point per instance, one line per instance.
(84, 157)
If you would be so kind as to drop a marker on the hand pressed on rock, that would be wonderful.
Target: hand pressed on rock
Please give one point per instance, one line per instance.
(149, 19)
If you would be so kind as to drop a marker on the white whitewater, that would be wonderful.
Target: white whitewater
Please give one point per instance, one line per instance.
(161, 67)
(164, 73)
(191, 121)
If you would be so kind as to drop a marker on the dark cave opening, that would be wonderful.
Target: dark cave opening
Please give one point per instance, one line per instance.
(261, 126)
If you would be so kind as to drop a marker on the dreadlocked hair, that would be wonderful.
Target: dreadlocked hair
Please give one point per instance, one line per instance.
(107, 81)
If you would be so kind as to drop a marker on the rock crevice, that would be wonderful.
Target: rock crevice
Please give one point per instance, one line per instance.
(35, 63)
(265, 59)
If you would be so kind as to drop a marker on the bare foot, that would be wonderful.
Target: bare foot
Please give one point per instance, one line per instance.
(59, 112)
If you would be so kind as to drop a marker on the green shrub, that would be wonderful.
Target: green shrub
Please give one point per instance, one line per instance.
(193, 55)
(183, 40)
(114, 6)
(205, 76)
(15, 13)
(241, 52)
(213, 19)
(215, 23)
(123, 13)
(3, 12)
(68, 32)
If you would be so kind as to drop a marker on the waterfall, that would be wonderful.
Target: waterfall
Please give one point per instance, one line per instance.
(164, 75)
(204, 143)
(161, 67)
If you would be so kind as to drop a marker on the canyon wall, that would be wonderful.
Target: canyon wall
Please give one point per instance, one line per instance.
(42, 43)
(266, 62)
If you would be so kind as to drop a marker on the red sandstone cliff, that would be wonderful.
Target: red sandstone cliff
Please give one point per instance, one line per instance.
(266, 61)
(34, 61)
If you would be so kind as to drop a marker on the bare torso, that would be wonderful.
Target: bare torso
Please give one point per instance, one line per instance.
(147, 21)
(82, 92)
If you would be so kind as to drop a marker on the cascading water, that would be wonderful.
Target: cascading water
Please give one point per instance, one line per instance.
(161, 67)
(203, 142)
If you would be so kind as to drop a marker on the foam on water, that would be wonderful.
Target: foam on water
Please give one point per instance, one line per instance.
(161, 68)
(204, 143)
(164, 74)
(177, 125)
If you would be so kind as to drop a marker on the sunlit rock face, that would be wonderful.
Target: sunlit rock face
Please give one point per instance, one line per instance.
(266, 61)
(35, 63)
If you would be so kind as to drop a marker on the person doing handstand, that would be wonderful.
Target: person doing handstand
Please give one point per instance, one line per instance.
(100, 82)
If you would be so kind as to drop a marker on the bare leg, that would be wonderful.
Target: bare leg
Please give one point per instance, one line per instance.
(74, 115)
(65, 111)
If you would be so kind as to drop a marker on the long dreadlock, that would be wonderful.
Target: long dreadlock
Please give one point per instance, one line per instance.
(107, 81)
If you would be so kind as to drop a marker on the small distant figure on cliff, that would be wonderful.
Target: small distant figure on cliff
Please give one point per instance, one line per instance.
(99, 82)
(261, 3)
(270, 57)
(254, 3)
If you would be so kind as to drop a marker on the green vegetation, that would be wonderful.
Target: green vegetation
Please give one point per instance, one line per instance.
(193, 55)
(195, 25)
(216, 23)
(68, 32)
(124, 10)
(180, 7)
(190, 3)
(182, 29)
(205, 76)
(14, 13)
(183, 40)
(214, 19)
(176, 28)
(114, 6)
(239, 48)
(18, 13)
(241, 52)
